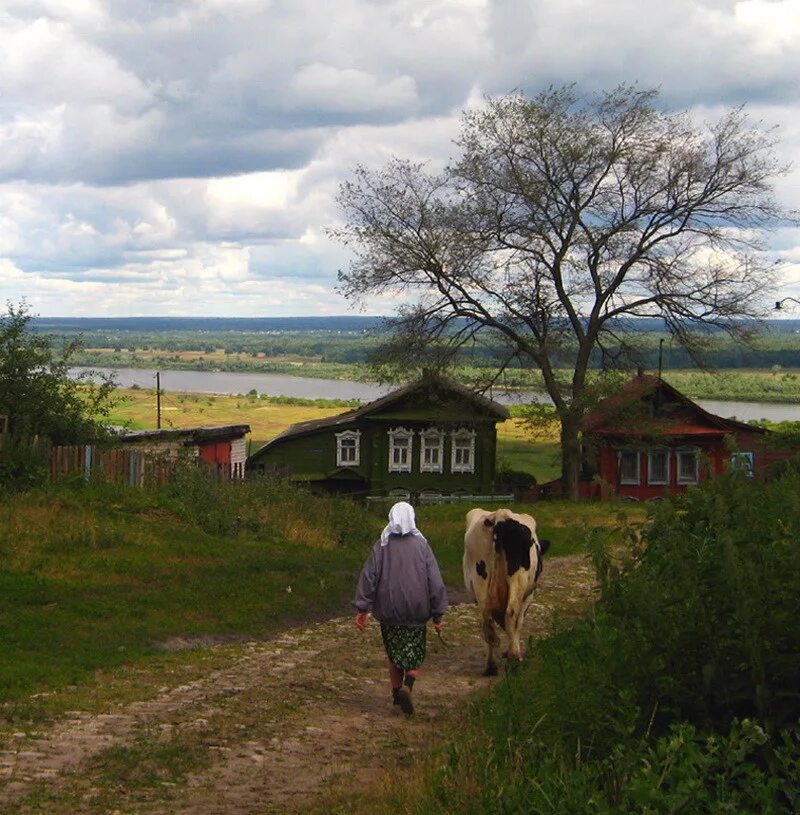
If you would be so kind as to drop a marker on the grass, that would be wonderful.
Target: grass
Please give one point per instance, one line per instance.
(137, 409)
(94, 577)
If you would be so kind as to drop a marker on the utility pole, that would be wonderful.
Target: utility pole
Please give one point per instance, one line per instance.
(158, 399)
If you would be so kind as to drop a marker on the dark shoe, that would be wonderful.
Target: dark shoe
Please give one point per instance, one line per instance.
(404, 700)
(395, 696)
(408, 681)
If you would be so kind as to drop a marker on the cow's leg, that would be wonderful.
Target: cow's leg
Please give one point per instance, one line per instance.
(515, 615)
(490, 635)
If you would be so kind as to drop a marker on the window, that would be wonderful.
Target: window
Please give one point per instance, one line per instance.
(658, 466)
(628, 466)
(400, 450)
(687, 465)
(431, 451)
(462, 456)
(743, 463)
(348, 448)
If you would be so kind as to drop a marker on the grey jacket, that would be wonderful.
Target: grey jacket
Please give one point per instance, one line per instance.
(401, 582)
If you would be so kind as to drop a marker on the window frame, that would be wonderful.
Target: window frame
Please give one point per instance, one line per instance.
(740, 456)
(432, 438)
(679, 478)
(346, 435)
(629, 482)
(460, 433)
(394, 434)
(650, 454)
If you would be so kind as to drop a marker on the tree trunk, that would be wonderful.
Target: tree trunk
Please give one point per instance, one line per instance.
(570, 455)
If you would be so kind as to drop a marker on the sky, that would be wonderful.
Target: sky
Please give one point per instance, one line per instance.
(181, 157)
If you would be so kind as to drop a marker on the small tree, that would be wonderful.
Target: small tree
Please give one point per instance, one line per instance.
(561, 219)
(37, 392)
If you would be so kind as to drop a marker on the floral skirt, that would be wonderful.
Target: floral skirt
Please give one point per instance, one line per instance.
(404, 644)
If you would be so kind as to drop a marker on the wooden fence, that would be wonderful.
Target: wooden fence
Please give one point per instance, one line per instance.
(114, 465)
(134, 467)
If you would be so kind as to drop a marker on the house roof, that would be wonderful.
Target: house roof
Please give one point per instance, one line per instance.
(187, 435)
(608, 418)
(500, 412)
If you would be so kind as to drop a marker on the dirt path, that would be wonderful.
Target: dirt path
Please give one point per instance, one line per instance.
(286, 722)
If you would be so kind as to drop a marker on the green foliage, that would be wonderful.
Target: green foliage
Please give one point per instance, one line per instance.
(36, 392)
(268, 508)
(23, 462)
(507, 478)
(679, 693)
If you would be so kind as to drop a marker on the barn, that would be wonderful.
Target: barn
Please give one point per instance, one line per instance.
(649, 439)
(432, 437)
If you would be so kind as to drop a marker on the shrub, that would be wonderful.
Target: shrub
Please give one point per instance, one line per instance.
(678, 693)
(510, 479)
(269, 507)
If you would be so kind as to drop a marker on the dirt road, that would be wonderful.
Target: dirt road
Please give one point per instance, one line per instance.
(284, 724)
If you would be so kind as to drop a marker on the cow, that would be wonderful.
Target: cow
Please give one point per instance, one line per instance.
(502, 562)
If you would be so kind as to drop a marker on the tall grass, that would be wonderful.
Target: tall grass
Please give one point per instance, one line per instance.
(679, 693)
(92, 575)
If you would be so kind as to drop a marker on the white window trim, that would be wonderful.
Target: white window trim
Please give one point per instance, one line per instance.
(401, 433)
(650, 479)
(340, 437)
(682, 479)
(462, 468)
(431, 439)
(630, 482)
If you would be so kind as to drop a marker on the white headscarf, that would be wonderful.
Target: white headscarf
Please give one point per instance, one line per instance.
(401, 522)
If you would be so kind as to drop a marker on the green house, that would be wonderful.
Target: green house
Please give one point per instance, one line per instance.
(431, 437)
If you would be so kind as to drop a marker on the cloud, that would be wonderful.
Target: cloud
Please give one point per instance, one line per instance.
(183, 156)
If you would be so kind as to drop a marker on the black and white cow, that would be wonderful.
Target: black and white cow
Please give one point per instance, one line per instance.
(502, 562)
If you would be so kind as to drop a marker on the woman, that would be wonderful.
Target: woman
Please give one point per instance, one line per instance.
(402, 585)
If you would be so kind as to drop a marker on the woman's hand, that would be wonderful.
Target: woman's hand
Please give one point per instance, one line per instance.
(439, 626)
(361, 620)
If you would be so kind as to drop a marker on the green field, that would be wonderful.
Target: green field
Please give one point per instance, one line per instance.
(94, 576)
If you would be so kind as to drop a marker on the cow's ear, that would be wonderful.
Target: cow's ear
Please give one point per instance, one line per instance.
(488, 521)
(544, 545)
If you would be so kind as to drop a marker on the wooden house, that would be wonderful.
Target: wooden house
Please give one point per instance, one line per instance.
(649, 439)
(223, 448)
(431, 437)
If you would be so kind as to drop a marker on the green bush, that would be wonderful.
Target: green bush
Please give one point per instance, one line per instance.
(269, 508)
(23, 462)
(509, 479)
(707, 604)
(678, 693)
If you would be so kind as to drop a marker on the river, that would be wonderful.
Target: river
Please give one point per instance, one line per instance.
(225, 382)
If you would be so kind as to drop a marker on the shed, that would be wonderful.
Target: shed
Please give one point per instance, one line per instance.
(222, 447)
(431, 437)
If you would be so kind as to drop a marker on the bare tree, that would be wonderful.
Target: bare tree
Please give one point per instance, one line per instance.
(562, 218)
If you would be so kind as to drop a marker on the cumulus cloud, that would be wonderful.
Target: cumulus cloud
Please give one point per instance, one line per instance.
(181, 157)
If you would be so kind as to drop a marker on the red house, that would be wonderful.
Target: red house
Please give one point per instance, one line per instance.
(649, 439)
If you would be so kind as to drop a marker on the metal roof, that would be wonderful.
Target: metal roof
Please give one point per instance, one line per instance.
(188, 435)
